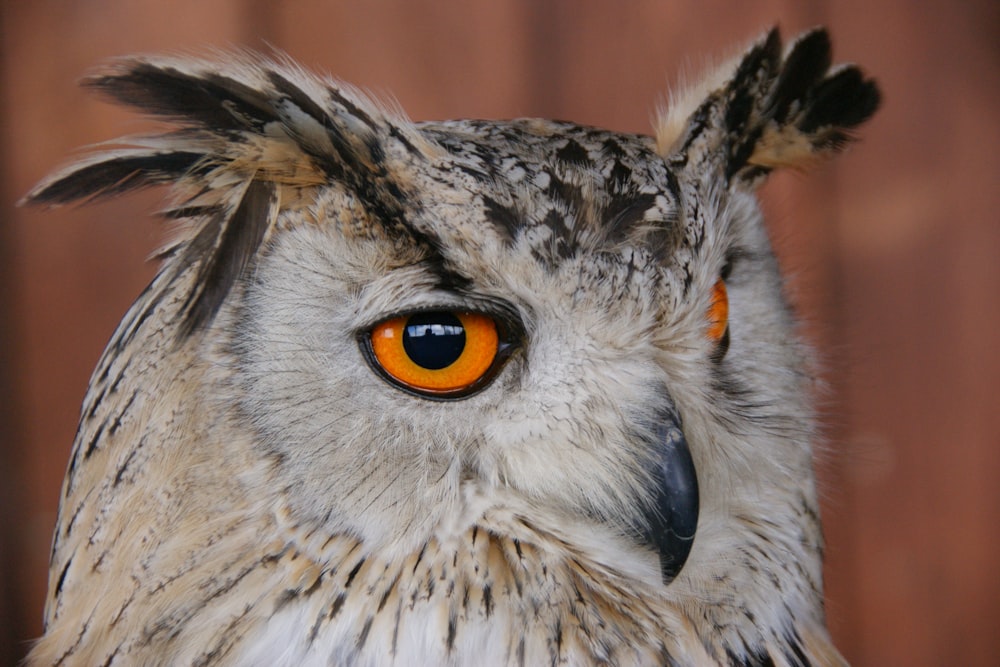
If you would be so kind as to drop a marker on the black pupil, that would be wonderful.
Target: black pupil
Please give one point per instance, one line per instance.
(433, 340)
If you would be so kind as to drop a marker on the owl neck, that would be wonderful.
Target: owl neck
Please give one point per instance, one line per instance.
(545, 592)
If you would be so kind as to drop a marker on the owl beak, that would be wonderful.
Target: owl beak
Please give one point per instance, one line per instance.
(672, 518)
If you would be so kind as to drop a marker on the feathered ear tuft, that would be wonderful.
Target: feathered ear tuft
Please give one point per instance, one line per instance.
(772, 111)
(243, 116)
(251, 136)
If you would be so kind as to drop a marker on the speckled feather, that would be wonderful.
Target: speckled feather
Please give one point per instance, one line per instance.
(245, 490)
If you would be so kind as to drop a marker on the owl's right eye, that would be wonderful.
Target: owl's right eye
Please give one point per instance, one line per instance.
(718, 319)
(718, 312)
(437, 354)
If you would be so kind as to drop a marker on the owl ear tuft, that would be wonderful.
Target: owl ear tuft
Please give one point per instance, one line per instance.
(249, 136)
(769, 110)
(237, 117)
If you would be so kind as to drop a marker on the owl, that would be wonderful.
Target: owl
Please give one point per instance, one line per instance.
(450, 393)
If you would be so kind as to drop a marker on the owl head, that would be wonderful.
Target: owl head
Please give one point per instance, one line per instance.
(395, 330)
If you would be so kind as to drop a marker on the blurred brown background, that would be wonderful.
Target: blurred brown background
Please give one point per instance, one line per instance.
(893, 250)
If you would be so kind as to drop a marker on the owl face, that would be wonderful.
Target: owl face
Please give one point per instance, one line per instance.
(524, 389)
(570, 248)
(597, 265)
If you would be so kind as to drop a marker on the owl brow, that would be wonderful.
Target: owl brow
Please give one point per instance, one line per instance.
(448, 276)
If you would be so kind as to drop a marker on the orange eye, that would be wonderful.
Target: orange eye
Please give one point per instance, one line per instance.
(438, 354)
(718, 313)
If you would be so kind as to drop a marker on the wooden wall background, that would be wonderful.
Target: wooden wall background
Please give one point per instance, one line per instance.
(894, 251)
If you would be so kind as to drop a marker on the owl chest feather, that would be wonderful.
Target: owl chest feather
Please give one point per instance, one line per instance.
(482, 599)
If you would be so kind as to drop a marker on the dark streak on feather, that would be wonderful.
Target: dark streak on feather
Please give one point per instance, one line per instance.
(117, 175)
(396, 134)
(92, 446)
(557, 640)
(204, 98)
(750, 659)
(240, 237)
(387, 593)
(488, 600)
(121, 414)
(420, 557)
(111, 657)
(363, 636)
(120, 473)
(62, 578)
(298, 97)
(794, 654)
(182, 212)
(330, 164)
(452, 621)
(338, 604)
(353, 573)
(352, 109)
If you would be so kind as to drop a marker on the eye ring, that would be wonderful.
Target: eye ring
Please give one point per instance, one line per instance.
(437, 354)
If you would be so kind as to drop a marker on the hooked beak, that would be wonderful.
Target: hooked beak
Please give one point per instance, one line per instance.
(672, 517)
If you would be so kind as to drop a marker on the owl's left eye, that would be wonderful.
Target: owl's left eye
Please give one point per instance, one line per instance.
(437, 354)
